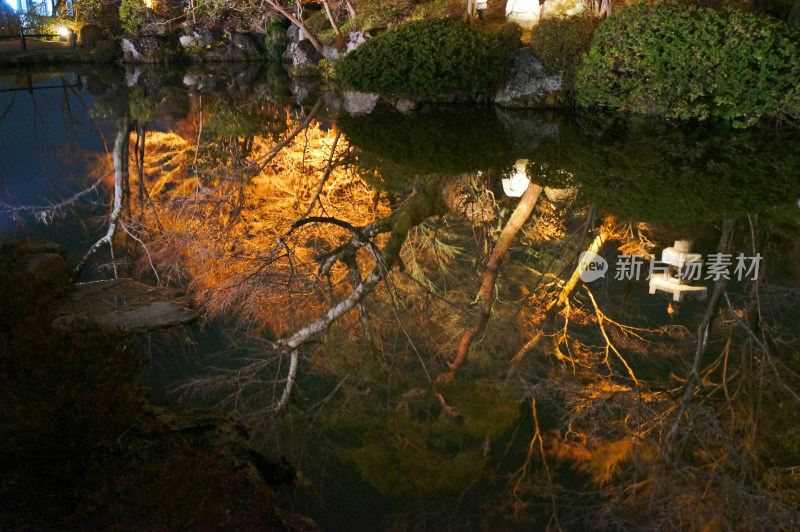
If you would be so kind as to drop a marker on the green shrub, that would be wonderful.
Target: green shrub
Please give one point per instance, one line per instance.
(132, 15)
(275, 38)
(427, 58)
(509, 37)
(561, 44)
(693, 63)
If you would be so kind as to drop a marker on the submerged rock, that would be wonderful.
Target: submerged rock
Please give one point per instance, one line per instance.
(122, 306)
(40, 261)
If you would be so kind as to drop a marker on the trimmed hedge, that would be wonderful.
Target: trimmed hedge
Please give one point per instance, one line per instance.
(684, 62)
(428, 58)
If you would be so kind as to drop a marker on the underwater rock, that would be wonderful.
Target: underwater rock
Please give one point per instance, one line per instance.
(122, 306)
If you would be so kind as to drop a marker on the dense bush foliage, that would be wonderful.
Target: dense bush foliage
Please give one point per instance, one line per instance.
(693, 63)
(132, 15)
(561, 44)
(427, 58)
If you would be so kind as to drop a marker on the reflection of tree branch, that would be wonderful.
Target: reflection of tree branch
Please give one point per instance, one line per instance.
(287, 389)
(89, 114)
(144, 246)
(46, 212)
(422, 206)
(485, 297)
(144, 194)
(121, 145)
(522, 472)
(325, 176)
(261, 162)
(601, 318)
(761, 345)
(354, 274)
(693, 379)
(563, 297)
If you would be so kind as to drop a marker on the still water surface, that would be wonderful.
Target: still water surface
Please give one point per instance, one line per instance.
(586, 402)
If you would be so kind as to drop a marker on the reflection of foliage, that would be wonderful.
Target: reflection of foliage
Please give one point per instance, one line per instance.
(686, 62)
(426, 58)
(599, 456)
(382, 175)
(232, 119)
(549, 175)
(231, 126)
(416, 449)
(142, 107)
(432, 141)
(656, 172)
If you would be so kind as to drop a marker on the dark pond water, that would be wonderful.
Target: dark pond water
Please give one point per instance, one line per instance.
(586, 402)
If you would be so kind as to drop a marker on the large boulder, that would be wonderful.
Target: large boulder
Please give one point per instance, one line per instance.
(353, 40)
(561, 8)
(242, 46)
(302, 59)
(526, 13)
(527, 85)
(150, 49)
(40, 261)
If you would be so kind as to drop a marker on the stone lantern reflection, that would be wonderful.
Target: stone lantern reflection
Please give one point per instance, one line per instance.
(682, 267)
